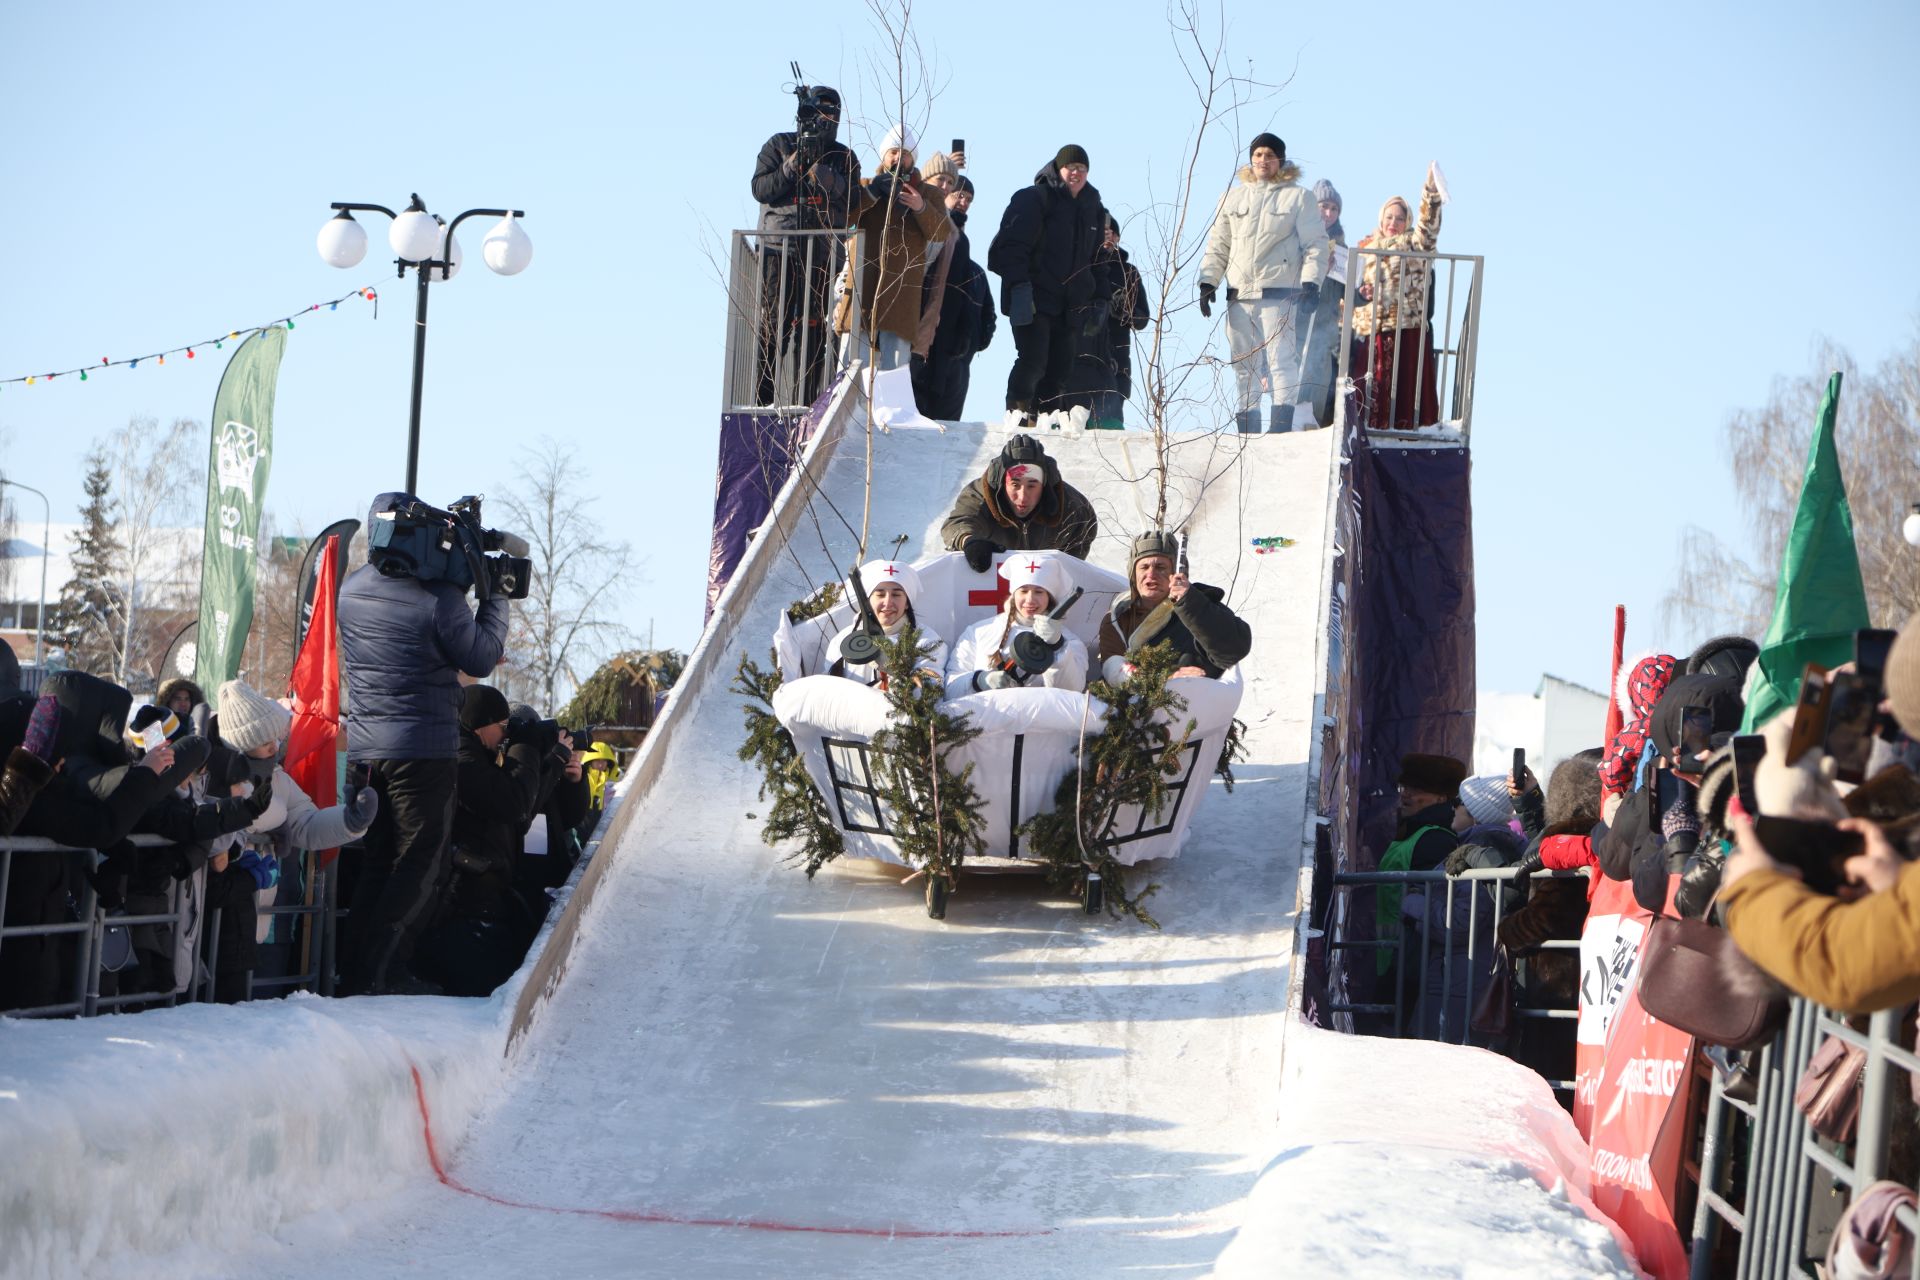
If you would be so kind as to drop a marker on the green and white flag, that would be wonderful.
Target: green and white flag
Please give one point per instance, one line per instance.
(236, 486)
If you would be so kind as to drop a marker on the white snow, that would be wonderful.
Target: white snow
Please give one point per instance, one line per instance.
(1406, 1158)
(1019, 1090)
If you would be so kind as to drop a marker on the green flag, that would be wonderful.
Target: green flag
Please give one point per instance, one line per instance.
(1821, 601)
(236, 485)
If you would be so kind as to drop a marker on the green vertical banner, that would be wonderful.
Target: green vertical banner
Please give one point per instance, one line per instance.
(236, 487)
(1821, 601)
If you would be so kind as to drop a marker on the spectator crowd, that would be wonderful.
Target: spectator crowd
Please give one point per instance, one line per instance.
(462, 814)
(915, 295)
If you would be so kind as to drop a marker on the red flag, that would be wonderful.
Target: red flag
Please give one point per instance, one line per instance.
(1614, 719)
(315, 686)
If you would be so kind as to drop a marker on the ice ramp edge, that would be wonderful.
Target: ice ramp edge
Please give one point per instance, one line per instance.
(541, 974)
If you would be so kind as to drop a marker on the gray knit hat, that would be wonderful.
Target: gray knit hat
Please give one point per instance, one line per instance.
(249, 719)
(1157, 543)
(1486, 798)
(1323, 191)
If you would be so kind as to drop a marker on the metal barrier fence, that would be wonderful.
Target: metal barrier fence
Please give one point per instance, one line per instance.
(1438, 1005)
(1766, 1176)
(781, 295)
(91, 925)
(1394, 389)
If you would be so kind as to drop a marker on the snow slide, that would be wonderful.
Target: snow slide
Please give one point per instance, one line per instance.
(741, 1072)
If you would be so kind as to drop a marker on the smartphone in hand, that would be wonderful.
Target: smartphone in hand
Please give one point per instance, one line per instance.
(1853, 712)
(1810, 713)
(1696, 736)
(1748, 750)
(1819, 850)
(1520, 766)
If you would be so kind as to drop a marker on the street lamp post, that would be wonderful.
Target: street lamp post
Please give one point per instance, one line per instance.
(46, 539)
(421, 240)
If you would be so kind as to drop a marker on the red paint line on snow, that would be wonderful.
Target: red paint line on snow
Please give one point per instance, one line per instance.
(669, 1219)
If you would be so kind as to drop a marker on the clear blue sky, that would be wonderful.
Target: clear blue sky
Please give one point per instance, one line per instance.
(1675, 203)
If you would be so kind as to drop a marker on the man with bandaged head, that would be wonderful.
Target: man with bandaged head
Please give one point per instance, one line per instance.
(1019, 504)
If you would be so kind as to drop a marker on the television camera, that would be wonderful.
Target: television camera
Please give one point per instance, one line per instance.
(421, 541)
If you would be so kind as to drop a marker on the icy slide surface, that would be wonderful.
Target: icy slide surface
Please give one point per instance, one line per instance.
(1048, 1094)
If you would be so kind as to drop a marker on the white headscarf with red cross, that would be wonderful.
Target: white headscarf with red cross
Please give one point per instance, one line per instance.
(879, 573)
(1036, 569)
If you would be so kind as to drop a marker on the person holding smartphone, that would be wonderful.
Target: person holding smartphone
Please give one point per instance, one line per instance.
(899, 216)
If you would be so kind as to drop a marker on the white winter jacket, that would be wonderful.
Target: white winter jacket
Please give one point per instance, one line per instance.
(1267, 235)
(981, 648)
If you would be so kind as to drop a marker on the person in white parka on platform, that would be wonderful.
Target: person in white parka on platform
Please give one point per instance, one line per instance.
(984, 656)
(891, 588)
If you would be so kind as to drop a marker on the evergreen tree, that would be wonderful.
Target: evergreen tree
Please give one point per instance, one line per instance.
(86, 620)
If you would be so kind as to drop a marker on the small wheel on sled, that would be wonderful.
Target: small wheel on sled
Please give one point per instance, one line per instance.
(1093, 896)
(937, 897)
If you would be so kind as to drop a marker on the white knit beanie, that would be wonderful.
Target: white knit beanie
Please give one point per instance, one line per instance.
(899, 138)
(1486, 798)
(249, 719)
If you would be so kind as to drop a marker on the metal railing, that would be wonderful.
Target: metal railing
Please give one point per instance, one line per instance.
(1418, 1005)
(1378, 395)
(86, 967)
(782, 290)
(1785, 1207)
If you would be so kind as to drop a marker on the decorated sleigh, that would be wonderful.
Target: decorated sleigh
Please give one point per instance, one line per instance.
(1029, 738)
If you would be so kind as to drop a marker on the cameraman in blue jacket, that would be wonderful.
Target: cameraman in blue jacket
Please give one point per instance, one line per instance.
(404, 642)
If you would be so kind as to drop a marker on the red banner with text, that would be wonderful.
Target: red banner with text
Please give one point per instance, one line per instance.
(1631, 1083)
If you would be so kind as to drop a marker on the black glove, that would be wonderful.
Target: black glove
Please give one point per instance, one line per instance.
(1309, 293)
(1699, 881)
(1207, 294)
(362, 808)
(1020, 304)
(1528, 865)
(979, 553)
(256, 804)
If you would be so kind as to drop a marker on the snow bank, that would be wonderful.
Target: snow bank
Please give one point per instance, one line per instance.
(146, 1145)
(1409, 1158)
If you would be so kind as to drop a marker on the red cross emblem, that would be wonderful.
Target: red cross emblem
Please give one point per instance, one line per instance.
(1033, 566)
(890, 571)
(994, 596)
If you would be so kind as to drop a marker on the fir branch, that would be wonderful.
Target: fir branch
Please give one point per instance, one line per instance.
(1232, 751)
(1125, 767)
(938, 817)
(798, 809)
(816, 604)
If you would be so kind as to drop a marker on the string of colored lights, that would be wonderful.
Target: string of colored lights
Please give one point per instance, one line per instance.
(217, 343)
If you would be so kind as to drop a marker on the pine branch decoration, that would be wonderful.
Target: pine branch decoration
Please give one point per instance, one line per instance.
(1127, 765)
(1232, 751)
(937, 814)
(798, 809)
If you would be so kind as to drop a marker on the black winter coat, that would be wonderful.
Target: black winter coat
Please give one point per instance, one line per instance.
(98, 795)
(1203, 631)
(966, 311)
(824, 198)
(404, 642)
(494, 800)
(1127, 312)
(1048, 239)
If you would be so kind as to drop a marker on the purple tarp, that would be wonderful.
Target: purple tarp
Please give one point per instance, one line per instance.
(757, 451)
(1400, 661)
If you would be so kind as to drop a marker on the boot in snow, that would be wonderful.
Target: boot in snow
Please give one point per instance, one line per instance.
(1248, 422)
